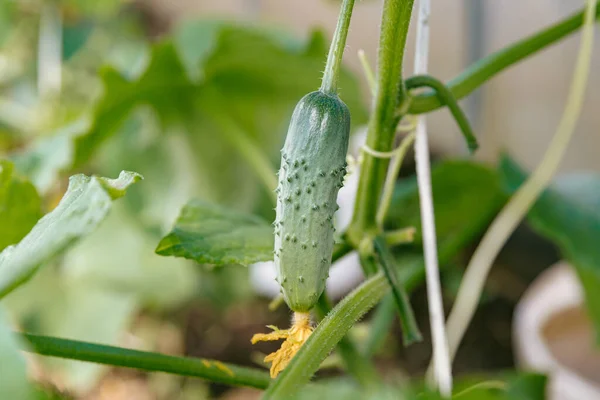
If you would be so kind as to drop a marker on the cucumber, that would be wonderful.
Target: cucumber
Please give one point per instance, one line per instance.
(313, 165)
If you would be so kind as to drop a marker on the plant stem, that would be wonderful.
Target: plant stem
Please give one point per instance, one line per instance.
(368, 71)
(400, 236)
(331, 330)
(382, 125)
(357, 364)
(50, 50)
(336, 50)
(410, 328)
(446, 97)
(380, 325)
(250, 152)
(507, 220)
(211, 370)
(392, 176)
(481, 71)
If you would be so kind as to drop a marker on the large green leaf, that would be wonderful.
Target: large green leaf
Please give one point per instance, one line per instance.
(13, 372)
(19, 206)
(227, 85)
(107, 276)
(210, 234)
(568, 214)
(466, 197)
(84, 205)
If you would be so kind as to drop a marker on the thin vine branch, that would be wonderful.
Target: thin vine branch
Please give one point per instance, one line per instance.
(486, 68)
(336, 51)
(211, 370)
(356, 363)
(389, 94)
(447, 98)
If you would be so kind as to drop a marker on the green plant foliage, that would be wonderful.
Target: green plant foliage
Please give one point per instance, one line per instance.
(84, 205)
(20, 205)
(466, 197)
(46, 158)
(469, 196)
(74, 35)
(210, 234)
(13, 372)
(569, 215)
(7, 11)
(511, 386)
(229, 85)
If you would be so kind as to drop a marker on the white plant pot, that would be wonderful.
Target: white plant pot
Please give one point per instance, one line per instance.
(552, 334)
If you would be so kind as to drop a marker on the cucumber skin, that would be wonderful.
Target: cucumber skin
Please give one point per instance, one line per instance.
(313, 165)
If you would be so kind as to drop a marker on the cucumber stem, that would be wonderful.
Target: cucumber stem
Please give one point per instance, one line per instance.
(329, 84)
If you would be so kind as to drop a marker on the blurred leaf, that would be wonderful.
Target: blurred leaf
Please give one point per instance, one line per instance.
(75, 34)
(466, 196)
(46, 158)
(568, 214)
(20, 206)
(509, 386)
(7, 18)
(97, 9)
(108, 276)
(210, 234)
(84, 205)
(247, 83)
(119, 258)
(13, 370)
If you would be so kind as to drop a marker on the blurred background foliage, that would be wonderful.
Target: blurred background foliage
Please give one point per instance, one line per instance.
(198, 111)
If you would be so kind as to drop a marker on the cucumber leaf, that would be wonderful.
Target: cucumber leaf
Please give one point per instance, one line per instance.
(85, 204)
(466, 196)
(228, 81)
(568, 214)
(210, 234)
(20, 206)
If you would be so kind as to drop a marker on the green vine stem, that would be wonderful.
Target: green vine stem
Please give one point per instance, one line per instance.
(380, 325)
(392, 176)
(336, 51)
(256, 158)
(410, 328)
(211, 370)
(447, 98)
(326, 336)
(332, 328)
(487, 67)
(356, 363)
(382, 125)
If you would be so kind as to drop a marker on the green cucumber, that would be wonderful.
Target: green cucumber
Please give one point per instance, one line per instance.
(313, 166)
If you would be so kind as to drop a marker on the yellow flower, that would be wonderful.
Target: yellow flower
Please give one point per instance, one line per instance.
(294, 338)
